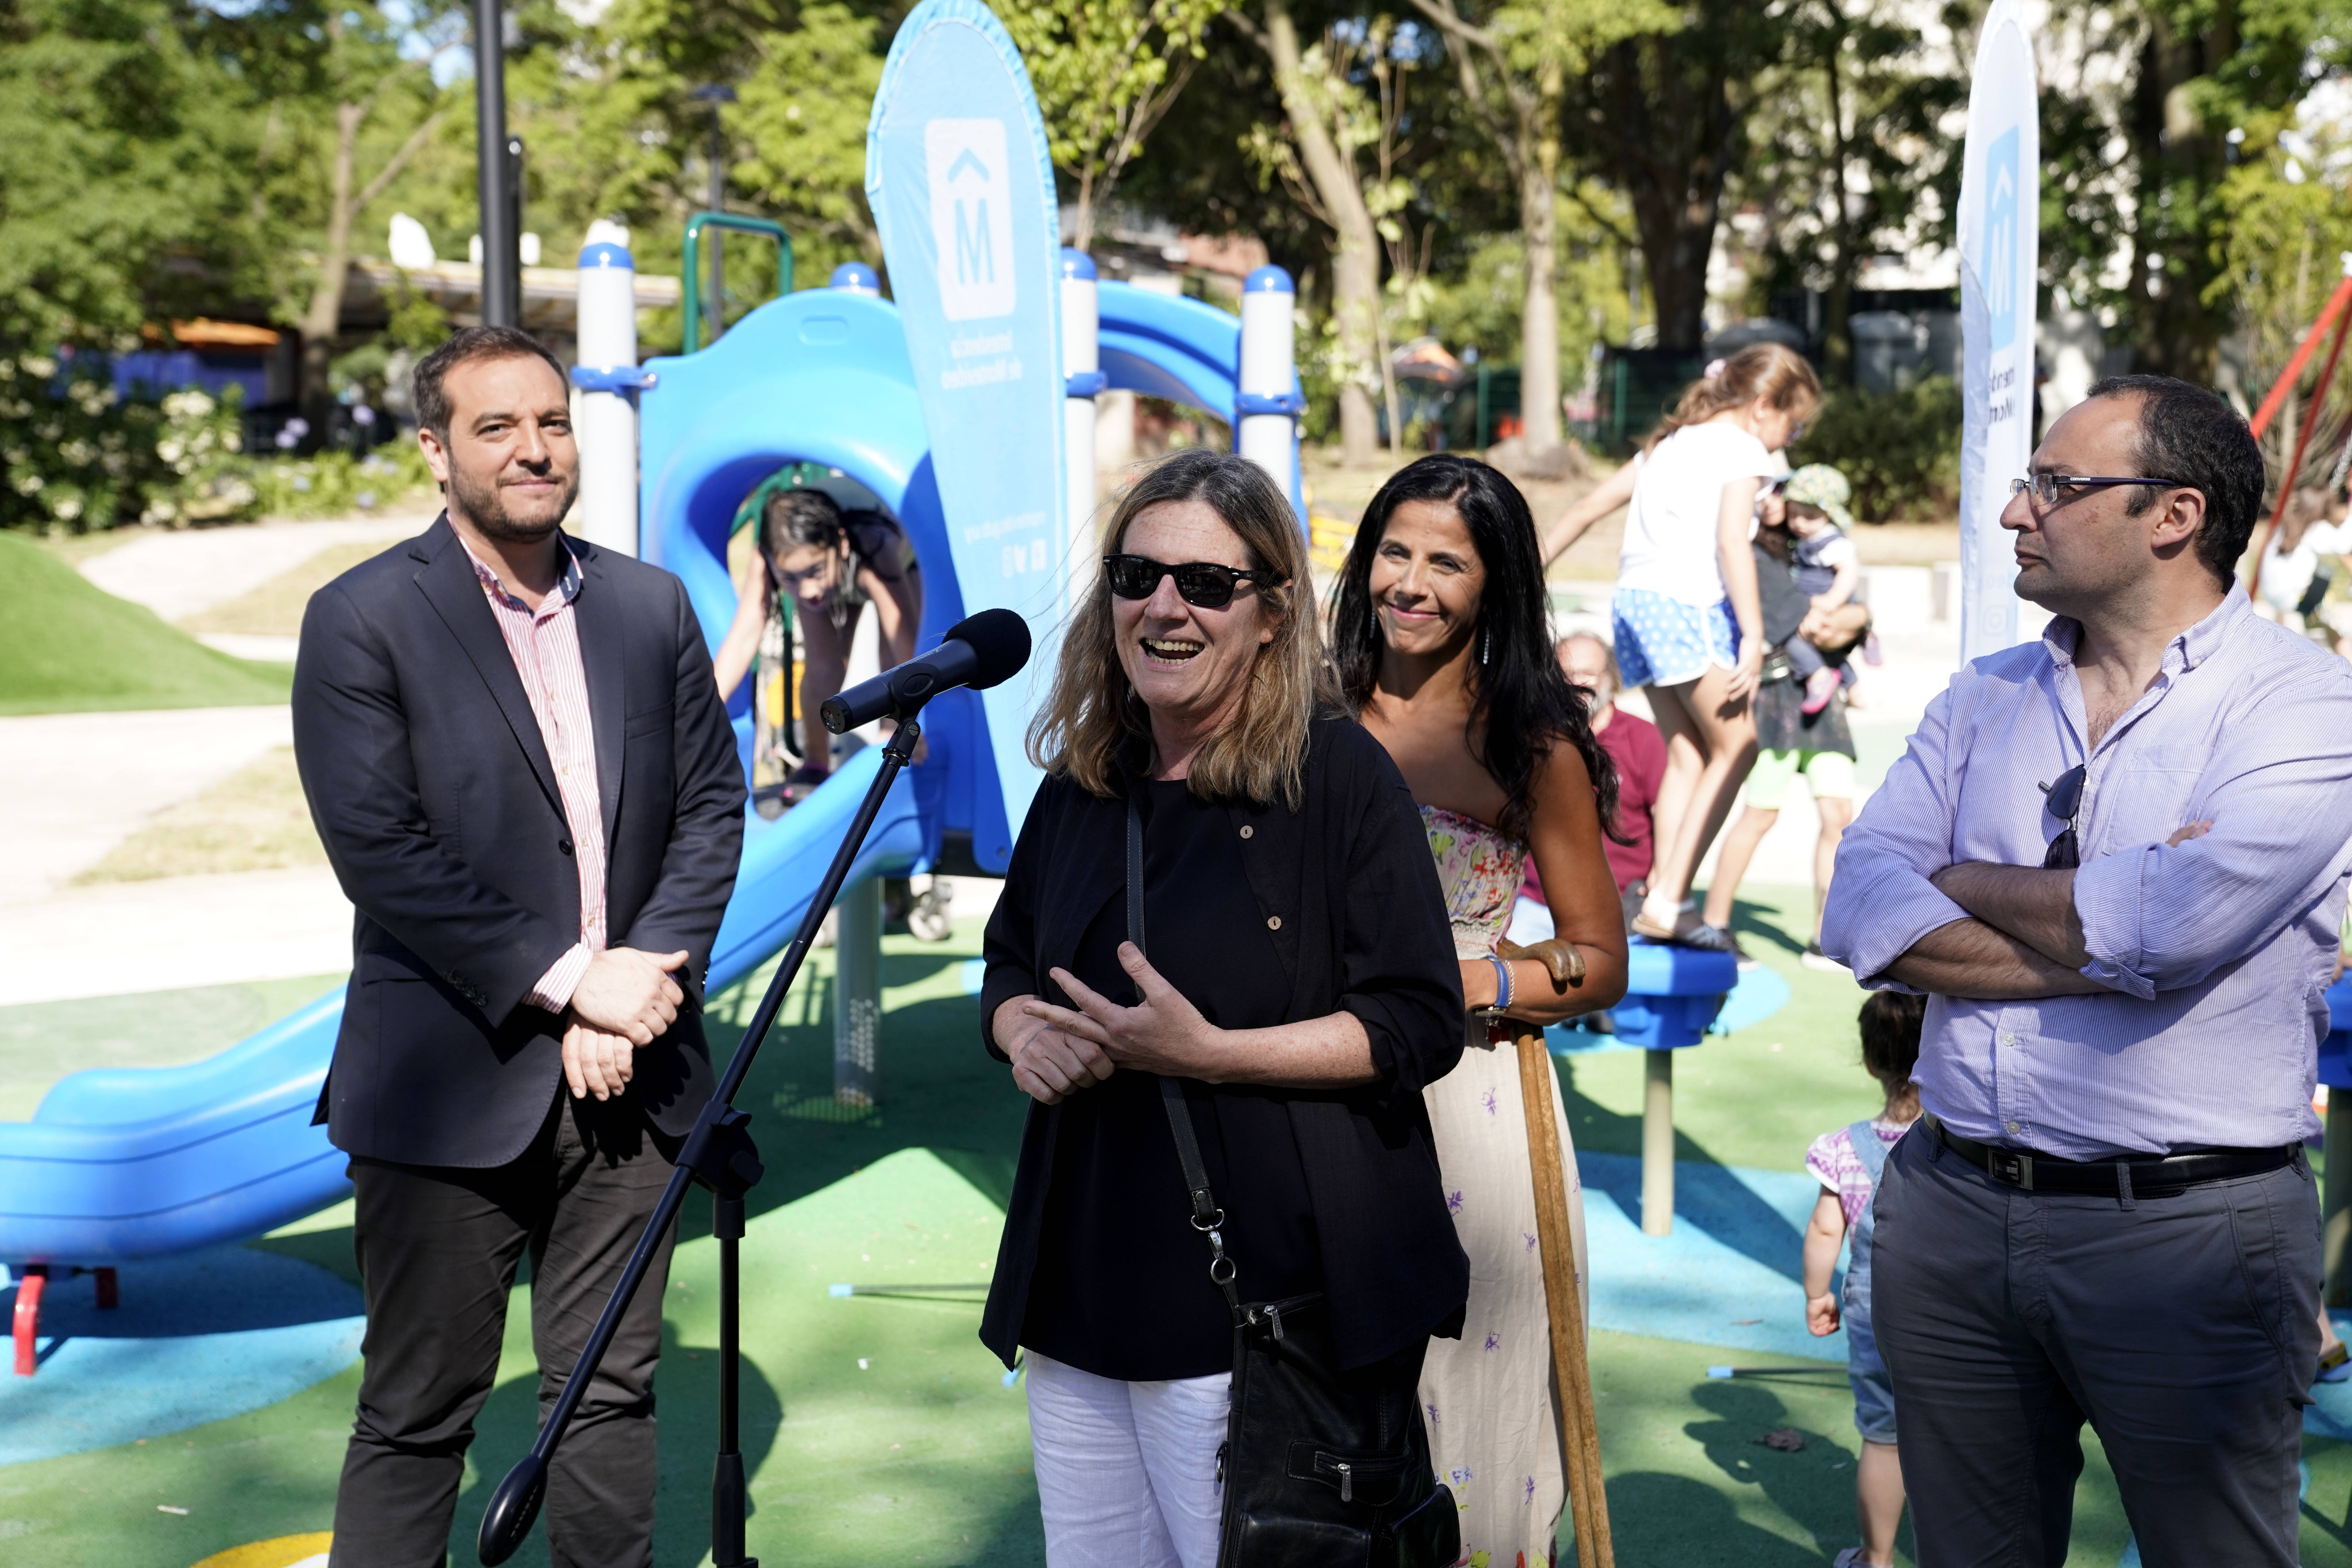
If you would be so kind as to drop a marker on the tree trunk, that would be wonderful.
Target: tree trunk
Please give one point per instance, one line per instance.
(325, 314)
(1837, 328)
(2179, 156)
(1540, 310)
(1671, 145)
(1355, 243)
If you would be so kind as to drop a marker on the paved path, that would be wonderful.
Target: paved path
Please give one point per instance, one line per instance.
(76, 785)
(187, 570)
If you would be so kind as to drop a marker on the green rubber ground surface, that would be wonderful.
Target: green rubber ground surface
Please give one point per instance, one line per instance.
(920, 1457)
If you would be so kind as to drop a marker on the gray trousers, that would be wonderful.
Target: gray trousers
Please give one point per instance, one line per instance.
(2184, 1329)
(438, 1251)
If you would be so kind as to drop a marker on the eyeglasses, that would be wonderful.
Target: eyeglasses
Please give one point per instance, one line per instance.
(2050, 488)
(2065, 801)
(1203, 584)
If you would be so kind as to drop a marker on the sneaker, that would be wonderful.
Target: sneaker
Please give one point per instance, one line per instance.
(2335, 1365)
(1871, 652)
(1814, 958)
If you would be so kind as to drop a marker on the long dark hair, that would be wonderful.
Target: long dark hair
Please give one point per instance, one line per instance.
(1521, 705)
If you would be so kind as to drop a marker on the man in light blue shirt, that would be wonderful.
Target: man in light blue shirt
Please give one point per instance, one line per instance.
(2116, 860)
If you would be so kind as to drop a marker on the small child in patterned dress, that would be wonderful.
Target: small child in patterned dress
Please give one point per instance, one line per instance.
(1848, 1162)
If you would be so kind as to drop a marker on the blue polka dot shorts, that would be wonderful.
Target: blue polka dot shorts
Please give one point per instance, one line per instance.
(1666, 641)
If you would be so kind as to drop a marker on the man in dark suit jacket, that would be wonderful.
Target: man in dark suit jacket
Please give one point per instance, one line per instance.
(518, 760)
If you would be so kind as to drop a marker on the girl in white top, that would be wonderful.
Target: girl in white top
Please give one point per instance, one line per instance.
(1689, 628)
(2291, 558)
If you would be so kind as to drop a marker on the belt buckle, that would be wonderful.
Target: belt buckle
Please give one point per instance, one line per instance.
(2006, 1165)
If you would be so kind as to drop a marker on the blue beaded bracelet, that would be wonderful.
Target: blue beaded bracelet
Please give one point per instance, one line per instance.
(1502, 983)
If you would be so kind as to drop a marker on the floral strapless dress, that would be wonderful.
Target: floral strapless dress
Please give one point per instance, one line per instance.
(1488, 1396)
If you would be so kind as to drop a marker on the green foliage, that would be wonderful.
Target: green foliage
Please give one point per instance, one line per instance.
(336, 484)
(1104, 71)
(1479, 307)
(121, 152)
(803, 120)
(1900, 450)
(71, 648)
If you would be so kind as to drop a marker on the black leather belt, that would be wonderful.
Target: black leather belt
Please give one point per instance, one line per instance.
(2166, 1177)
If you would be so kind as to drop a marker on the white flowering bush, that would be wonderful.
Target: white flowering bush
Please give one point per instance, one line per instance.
(77, 456)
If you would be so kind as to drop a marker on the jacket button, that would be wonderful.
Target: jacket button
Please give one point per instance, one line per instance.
(1248, 831)
(564, 845)
(1274, 922)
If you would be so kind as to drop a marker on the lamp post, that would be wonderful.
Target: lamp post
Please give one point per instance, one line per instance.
(495, 170)
(716, 94)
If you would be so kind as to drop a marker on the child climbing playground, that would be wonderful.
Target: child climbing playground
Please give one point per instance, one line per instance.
(1848, 1162)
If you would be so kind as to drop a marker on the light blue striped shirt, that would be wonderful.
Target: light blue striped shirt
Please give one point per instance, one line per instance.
(2217, 950)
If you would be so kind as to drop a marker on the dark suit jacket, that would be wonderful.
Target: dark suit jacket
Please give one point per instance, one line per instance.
(1362, 929)
(435, 797)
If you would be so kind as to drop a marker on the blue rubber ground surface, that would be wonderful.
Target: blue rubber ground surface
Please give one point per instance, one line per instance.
(197, 1337)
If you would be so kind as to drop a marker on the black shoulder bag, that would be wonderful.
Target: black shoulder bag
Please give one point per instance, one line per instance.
(1320, 1467)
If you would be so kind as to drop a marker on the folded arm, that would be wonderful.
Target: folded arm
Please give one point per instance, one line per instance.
(2159, 917)
(1902, 915)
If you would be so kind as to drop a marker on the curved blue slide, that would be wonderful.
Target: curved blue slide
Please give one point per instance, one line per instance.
(134, 1163)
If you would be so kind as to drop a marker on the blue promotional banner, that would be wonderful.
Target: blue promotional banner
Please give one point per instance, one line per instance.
(962, 189)
(2000, 209)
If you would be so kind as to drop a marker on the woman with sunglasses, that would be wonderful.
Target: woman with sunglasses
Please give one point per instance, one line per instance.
(1689, 625)
(830, 564)
(1299, 991)
(1443, 648)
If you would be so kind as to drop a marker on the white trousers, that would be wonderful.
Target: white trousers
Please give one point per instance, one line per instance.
(1127, 1472)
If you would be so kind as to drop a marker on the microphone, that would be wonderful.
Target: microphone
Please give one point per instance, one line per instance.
(979, 651)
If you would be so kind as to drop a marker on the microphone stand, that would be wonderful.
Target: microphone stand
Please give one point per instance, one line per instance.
(718, 1154)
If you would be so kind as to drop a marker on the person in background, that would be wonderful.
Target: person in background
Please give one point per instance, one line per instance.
(1828, 570)
(1793, 739)
(1300, 989)
(2107, 1213)
(2294, 576)
(1847, 1163)
(830, 564)
(1637, 749)
(1687, 624)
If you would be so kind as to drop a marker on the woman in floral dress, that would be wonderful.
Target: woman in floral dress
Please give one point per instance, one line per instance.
(1444, 647)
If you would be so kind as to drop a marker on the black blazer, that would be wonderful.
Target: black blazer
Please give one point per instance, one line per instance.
(435, 797)
(1362, 928)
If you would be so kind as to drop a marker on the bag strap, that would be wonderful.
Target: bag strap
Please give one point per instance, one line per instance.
(1207, 1217)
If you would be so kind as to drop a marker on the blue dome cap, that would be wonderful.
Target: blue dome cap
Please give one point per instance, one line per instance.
(605, 253)
(1077, 264)
(855, 276)
(1269, 280)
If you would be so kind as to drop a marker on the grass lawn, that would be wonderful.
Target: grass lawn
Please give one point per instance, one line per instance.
(275, 609)
(254, 820)
(73, 649)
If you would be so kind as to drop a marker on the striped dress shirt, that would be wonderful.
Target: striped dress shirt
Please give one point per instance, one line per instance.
(545, 646)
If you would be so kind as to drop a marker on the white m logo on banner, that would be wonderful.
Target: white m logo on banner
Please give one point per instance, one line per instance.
(971, 217)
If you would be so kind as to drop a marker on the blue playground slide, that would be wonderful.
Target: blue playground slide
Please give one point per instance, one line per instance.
(124, 1164)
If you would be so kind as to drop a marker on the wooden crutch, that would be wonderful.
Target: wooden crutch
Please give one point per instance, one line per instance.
(1587, 1497)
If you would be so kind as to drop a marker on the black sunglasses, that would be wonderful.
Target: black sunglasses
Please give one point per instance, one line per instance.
(1202, 583)
(2065, 801)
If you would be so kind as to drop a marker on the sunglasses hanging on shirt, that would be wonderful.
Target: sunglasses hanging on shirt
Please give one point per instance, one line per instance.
(2064, 800)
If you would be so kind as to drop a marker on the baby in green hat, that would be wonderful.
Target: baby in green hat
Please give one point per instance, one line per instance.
(1827, 566)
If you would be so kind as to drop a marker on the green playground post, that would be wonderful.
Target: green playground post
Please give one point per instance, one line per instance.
(693, 279)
